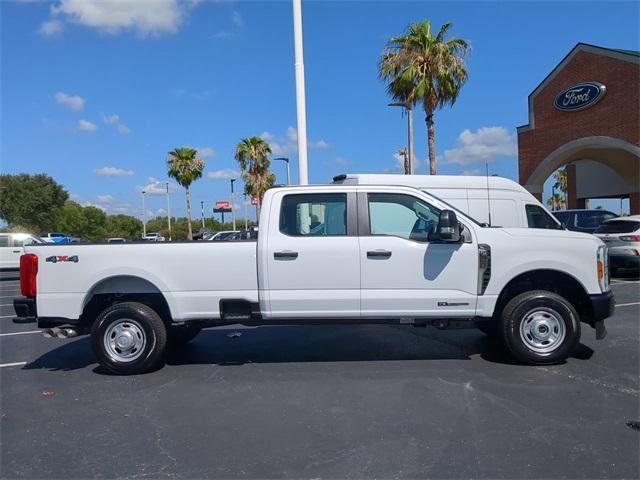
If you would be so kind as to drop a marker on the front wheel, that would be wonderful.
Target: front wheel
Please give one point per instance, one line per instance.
(128, 338)
(540, 327)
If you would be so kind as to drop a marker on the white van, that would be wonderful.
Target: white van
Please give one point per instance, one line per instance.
(509, 204)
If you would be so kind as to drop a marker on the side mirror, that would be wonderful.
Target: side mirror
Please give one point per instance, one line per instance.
(448, 229)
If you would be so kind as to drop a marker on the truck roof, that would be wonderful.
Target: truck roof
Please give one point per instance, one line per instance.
(430, 181)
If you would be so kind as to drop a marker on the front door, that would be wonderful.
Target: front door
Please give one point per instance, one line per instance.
(313, 262)
(403, 272)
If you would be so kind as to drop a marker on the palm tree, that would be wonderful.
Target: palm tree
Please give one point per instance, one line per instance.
(421, 67)
(185, 168)
(560, 176)
(556, 202)
(252, 154)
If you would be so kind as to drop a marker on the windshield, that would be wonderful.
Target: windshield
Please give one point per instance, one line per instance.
(456, 209)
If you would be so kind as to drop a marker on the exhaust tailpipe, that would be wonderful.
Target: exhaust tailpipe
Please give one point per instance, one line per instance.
(48, 333)
(70, 332)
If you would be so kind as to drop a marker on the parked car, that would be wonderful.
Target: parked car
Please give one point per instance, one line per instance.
(586, 221)
(241, 235)
(494, 201)
(116, 240)
(153, 237)
(54, 237)
(11, 248)
(219, 236)
(375, 253)
(622, 236)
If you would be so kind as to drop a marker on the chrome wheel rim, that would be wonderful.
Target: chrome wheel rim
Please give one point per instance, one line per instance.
(542, 330)
(125, 340)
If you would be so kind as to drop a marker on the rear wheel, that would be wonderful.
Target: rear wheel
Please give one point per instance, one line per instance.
(540, 327)
(128, 338)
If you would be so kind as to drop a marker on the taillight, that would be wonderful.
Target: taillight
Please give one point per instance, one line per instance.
(630, 238)
(28, 272)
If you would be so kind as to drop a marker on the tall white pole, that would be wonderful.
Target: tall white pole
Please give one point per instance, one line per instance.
(168, 211)
(144, 217)
(303, 175)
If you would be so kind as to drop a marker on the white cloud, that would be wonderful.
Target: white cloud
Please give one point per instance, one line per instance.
(155, 187)
(282, 146)
(114, 119)
(146, 17)
(205, 152)
(483, 145)
(105, 199)
(113, 172)
(224, 174)
(50, 28)
(74, 102)
(474, 172)
(86, 126)
(237, 19)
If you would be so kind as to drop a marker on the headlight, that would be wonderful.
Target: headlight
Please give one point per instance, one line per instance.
(603, 268)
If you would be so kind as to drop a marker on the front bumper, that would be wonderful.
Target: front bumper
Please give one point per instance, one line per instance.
(602, 306)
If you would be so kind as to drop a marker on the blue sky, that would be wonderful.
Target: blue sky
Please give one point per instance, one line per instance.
(96, 93)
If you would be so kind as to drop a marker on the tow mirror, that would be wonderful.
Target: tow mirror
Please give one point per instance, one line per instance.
(448, 227)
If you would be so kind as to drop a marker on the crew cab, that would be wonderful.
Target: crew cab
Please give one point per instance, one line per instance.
(327, 254)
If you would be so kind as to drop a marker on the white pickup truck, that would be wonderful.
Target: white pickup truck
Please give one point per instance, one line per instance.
(332, 254)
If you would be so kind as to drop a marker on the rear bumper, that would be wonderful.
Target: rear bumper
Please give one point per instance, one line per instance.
(624, 261)
(25, 309)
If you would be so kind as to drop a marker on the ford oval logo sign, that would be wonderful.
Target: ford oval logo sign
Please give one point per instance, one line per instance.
(580, 96)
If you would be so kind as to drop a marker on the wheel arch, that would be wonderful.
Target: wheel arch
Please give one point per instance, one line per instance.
(562, 283)
(123, 288)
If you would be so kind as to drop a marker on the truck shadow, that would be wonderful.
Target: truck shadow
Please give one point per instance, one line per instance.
(302, 344)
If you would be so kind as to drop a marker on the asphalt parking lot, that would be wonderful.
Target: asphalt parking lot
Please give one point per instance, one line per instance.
(323, 402)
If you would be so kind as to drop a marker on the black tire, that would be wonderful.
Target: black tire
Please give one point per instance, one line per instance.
(139, 325)
(531, 316)
(179, 336)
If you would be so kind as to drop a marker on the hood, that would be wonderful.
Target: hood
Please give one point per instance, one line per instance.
(551, 234)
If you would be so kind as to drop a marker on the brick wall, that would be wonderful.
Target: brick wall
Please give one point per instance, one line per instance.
(616, 115)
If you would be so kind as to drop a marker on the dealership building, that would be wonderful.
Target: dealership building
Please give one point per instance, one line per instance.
(585, 115)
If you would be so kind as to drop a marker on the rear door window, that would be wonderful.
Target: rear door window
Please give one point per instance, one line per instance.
(314, 215)
(4, 240)
(593, 219)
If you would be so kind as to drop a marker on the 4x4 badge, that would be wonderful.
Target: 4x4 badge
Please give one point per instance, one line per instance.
(62, 258)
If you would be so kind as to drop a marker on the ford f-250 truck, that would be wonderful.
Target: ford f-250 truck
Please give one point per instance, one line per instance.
(333, 254)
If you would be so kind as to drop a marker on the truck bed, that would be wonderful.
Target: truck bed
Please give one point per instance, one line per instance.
(192, 276)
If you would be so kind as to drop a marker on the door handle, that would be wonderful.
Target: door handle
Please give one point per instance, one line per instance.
(379, 254)
(16, 251)
(285, 254)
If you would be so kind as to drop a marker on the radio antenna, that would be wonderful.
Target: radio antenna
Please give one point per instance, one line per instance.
(486, 164)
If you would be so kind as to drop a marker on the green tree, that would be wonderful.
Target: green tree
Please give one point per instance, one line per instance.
(123, 226)
(185, 168)
(421, 67)
(32, 201)
(87, 223)
(252, 154)
(556, 202)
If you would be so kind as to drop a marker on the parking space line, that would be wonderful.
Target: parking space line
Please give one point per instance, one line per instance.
(15, 364)
(19, 333)
(627, 304)
(6, 305)
(8, 316)
(623, 282)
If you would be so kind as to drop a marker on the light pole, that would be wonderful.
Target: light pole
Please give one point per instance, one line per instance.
(409, 109)
(233, 211)
(246, 227)
(144, 216)
(202, 213)
(301, 113)
(168, 211)
(286, 160)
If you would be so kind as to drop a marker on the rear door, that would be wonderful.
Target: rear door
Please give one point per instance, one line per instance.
(403, 273)
(312, 262)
